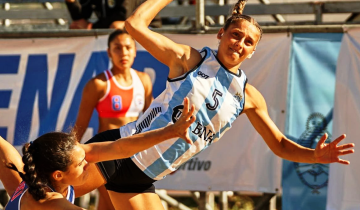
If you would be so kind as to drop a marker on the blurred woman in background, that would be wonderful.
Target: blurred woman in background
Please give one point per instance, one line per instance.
(119, 94)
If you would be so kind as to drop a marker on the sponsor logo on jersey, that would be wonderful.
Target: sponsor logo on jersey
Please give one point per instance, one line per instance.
(202, 74)
(238, 96)
(177, 111)
(200, 130)
(205, 133)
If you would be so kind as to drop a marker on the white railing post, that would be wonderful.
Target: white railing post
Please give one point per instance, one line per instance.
(200, 15)
(221, 17)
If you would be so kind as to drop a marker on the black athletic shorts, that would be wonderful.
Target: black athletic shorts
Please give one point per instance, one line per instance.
(122, 175)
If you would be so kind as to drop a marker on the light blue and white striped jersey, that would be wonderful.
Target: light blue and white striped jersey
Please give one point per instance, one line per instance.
(218, 96)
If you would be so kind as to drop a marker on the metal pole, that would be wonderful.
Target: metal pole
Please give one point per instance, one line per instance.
(273, 203)
(171, 201)
(54, 33)
(223, 200)
(279, 18)
(7, 22)
(318, 12)
(200, 15)
(221, 17)
(210, 201)
(264, 202)
(202, 200)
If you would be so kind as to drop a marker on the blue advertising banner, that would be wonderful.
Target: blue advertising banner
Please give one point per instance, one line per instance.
(41, 83)
(311, 88)
(35, 87)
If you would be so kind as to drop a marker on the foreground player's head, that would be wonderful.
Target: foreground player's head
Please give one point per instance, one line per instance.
(239, 36)
(52, 160)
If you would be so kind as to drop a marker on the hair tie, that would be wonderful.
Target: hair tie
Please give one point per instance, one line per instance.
(31, 144)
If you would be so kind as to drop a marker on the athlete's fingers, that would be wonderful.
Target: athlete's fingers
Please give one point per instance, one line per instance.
(186, 106)
(191, 112)
(345, 146)
(340, 138)
(322, 140)
(192, 117)
(346, 162)
(346, 152)
(188, 114)
(189, 118)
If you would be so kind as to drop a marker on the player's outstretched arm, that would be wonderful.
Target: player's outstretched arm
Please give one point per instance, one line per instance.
(256, 111)
(128, 146)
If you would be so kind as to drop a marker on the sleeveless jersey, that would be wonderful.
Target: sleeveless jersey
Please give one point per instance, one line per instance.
(218, 96)
(14, 202)
(120, 101)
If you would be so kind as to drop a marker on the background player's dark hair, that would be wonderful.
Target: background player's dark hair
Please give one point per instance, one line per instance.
(116, 33)
(237, 15)
(48, 153)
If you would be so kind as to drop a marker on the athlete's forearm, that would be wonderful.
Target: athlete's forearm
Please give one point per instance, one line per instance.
(56, 203)
(294, 152)
(128, 146)
(142, 141)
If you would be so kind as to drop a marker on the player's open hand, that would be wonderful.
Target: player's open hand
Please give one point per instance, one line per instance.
(329, 153)
(185, 120)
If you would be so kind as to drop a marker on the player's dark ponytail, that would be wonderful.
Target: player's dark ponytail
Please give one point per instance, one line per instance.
(48, 153)
(239, 7)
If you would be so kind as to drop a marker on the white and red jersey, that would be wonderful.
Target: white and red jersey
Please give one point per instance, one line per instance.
(120, 101)
(15, 200)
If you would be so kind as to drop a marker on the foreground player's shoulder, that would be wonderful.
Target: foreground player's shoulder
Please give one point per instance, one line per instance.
(51, 196)
(187, 59)
(55, 201)
(253, 98)
(194, 57)
(49, 199)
